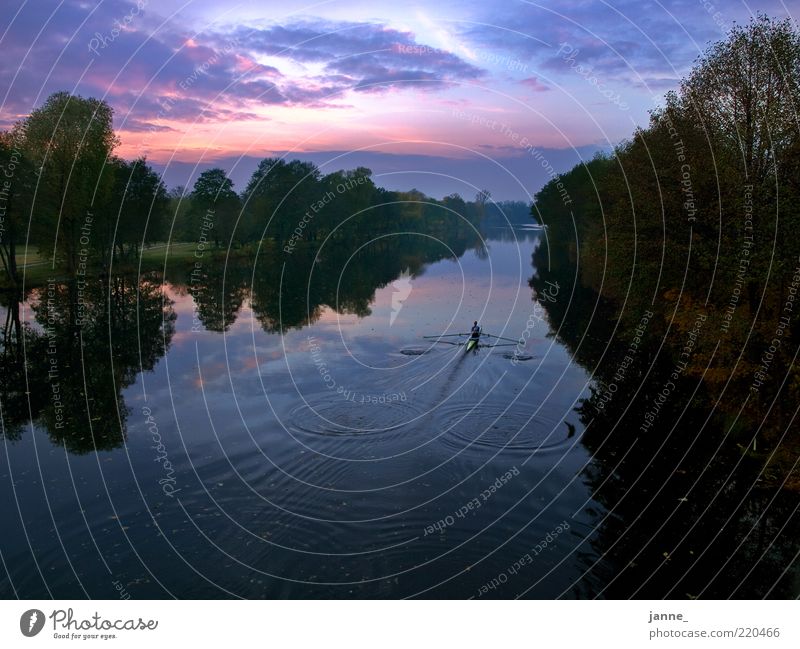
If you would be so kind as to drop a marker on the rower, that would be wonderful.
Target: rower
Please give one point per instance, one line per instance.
(476, 330)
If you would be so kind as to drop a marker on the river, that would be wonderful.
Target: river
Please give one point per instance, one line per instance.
(276, 430)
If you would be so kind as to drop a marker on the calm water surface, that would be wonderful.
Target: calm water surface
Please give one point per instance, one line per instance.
(331, 452)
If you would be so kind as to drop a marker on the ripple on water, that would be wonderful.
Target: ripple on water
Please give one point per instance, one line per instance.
(490, 425)
(366, 414)
(518, 357)
(414, 352)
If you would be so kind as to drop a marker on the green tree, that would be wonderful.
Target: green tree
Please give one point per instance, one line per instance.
(69, 140)
(278, 195)
(180, 211)
(347, 194)
(16, 190)
(141, 203)
(698, 212)
(215, 206)
(745, 92)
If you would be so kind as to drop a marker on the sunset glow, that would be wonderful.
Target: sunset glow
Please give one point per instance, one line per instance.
(202, 83)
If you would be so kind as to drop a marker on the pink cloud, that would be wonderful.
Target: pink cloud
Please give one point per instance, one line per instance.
(534, 84)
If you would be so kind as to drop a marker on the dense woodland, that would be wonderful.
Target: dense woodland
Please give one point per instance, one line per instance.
(694, 219)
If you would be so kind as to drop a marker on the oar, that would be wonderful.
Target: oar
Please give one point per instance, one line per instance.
(500, 338)
(445, 335)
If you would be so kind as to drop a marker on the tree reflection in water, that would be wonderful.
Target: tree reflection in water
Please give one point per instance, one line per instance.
(88, 342)
(692, 511)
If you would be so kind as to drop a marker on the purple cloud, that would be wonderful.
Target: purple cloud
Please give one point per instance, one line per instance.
(123, 52)
(361, 56)
(534, 84)
(629, 42)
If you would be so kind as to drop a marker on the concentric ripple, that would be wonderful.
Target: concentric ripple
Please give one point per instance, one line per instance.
(352, 414)
(491, 425)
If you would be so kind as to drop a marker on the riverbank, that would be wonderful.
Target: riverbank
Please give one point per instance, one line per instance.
(35, 269)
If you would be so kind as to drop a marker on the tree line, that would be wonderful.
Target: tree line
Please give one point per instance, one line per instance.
(63, 190)
(695, 219)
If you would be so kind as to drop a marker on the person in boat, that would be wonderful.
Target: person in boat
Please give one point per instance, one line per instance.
(475, 331)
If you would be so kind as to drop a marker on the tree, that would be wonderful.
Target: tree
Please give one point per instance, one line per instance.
(481, 198)
(215, 206)
(16, 190)
(278, 195)
(68, 140)
(347, 195)
(180, 206)
(141, 203)
(746, 90)
(697, 213)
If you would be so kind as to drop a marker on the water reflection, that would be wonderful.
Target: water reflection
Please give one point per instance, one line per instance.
(350, 457)
(691, 512)
(13, 395)
(88, 341)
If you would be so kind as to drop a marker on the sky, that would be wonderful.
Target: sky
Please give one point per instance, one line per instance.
(444, 96)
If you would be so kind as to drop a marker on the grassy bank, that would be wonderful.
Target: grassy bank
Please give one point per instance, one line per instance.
(36, 269)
